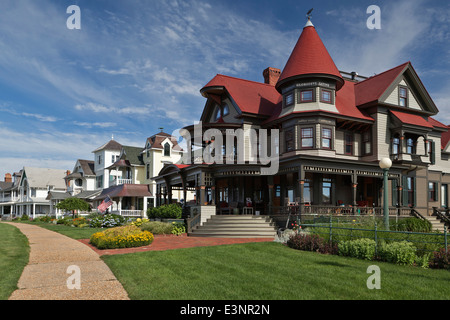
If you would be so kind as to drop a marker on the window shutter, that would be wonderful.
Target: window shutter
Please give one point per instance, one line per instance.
(405, 192)
(394, 193)
(433, 152)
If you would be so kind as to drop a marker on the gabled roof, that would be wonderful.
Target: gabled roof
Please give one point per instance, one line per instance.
(250, 96)
(156, 141)
(371, 89)
(87, 166)
(43, 177)
(133, 155)
(309, 57)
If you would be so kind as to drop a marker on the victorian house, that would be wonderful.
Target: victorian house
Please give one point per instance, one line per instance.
(332, 129)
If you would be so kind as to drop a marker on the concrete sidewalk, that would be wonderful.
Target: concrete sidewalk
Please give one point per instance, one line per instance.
(54, 265)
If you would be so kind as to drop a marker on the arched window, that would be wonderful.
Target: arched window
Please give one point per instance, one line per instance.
(167, 150)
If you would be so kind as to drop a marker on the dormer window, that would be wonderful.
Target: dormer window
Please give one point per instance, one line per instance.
(221, 111)
(403, 96)
(167, 150)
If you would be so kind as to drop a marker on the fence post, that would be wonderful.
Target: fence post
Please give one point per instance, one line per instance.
(376, 240)
(331, 230)
(445, 239)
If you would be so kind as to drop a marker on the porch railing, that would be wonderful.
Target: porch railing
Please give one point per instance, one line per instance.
(129, 213)
(337, 210)
(193, 222)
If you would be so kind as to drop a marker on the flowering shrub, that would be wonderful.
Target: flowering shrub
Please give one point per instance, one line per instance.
(138, 222)
(106, 221)
(121, 237)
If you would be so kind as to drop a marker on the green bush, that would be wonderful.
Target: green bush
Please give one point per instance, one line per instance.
(360, 248)
(157, 227)
(178, 228)
(412, 225)
(402, 252)
(167, 211)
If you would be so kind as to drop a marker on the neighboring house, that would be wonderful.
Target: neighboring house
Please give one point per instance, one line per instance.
(80, 184)
(127, 186)
(6, 197)
(30, 190)
(105, 156)
(162, 149)
(334, 128)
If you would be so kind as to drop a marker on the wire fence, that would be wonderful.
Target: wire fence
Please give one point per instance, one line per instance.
(424, 242)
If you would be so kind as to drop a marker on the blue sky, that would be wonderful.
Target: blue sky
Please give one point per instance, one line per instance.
(136, 66)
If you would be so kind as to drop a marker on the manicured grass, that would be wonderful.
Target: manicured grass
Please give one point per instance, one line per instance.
(72, 232)
(267, 271)
(14, 254)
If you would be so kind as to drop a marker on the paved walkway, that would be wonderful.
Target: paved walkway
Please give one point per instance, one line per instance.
(49, 274)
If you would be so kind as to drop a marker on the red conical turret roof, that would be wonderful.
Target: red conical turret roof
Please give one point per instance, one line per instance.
(310, 58)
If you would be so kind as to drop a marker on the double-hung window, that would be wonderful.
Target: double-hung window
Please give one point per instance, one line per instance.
(326, 138)
(403, 96)
(349, 143)
(307, 137)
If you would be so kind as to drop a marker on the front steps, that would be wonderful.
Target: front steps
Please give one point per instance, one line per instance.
(436, 223)
(236, 226)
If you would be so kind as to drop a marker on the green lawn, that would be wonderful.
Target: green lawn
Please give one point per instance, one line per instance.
(267, 271)
(14, 253)
(71, 232)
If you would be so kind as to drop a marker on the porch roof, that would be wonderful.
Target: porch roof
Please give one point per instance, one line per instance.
(125, 190)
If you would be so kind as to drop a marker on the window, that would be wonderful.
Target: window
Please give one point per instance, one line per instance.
(325, 96)
(432, 191)
(307, 138)
(167, 150)
(403, 96)
(99, 159)
(289, 139)
(326, 138)
(78, 182)
(148, 171)
(225, 110)
(366, 143)
(289, 99)
(306, 96)
(99, 181)
(431, 151)
(217, 114)
(308, 191)
(326, 190)
(395, 145)
(410, 147)
(349, 144)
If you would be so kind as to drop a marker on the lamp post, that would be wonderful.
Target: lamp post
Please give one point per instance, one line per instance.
(385, 164)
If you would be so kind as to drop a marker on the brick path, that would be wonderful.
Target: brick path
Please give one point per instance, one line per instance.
(168, 242)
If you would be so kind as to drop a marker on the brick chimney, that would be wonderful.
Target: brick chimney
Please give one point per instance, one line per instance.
(271, 75)
(8, 177)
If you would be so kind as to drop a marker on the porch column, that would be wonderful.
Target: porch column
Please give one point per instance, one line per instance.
(354, 188)
(301, 180)
(270, 185)
(213, 194)
(120, 206)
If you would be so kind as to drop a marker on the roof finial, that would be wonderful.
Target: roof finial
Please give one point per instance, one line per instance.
(308, 15)
(112, 136)
(161, 128)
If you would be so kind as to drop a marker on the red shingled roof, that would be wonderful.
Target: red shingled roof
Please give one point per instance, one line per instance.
(309, 57)
(413, 119)
(251, 97)
(372, 88)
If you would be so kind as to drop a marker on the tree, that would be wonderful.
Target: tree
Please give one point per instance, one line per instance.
(72, 204)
